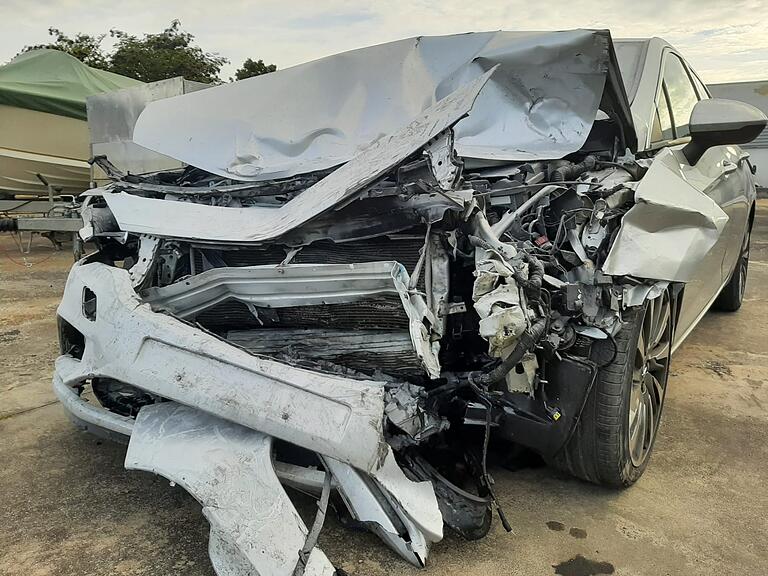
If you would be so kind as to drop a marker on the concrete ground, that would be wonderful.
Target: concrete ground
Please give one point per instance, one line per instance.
(67, 506)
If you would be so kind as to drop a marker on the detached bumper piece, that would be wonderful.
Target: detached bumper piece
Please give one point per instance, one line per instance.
(228, 469)
(211, 431)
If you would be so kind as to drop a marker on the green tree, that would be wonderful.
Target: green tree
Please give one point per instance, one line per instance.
(152, 57)
(165, 55)
(84, 47)
(252, 68)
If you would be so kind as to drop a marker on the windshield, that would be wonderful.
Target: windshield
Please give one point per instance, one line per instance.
(630, 54)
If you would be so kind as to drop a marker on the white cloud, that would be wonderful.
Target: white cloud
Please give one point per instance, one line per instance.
(723, 41)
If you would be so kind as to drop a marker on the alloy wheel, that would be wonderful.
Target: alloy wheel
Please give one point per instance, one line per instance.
(649, 377)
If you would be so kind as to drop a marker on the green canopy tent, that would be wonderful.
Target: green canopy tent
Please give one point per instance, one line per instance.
(54, 82)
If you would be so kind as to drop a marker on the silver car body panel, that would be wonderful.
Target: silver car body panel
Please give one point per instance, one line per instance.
(547, 89)
(255, 528)
(666, 234)
(216, 223)
(722, 174)
(205, 223)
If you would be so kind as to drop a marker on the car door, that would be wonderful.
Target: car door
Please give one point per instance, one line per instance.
(717, 175)
(728, 166)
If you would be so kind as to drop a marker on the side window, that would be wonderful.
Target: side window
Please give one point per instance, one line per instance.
(662, 121)
(700, 88)
(681, 93)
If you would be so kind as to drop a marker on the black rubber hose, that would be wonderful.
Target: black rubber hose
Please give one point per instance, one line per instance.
(573, 171)
(527, 341)
(532, 284)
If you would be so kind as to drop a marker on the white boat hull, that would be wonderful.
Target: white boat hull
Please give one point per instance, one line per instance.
(32, 142)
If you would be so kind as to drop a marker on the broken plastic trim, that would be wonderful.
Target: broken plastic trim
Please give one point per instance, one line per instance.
(364, 497)
(228, 469)
(174, 360)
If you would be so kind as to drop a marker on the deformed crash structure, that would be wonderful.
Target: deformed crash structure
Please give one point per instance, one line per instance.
(347, 313)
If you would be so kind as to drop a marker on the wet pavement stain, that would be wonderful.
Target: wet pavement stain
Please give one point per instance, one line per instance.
(556, 526)
(579, 533)
(580, 566)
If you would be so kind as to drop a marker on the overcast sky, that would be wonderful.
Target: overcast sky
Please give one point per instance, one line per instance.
(723, 40)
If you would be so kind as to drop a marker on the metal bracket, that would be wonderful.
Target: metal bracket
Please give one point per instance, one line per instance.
(445, 165)
(148, 246)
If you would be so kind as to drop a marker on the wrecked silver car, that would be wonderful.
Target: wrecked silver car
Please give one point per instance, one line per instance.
(377, 262)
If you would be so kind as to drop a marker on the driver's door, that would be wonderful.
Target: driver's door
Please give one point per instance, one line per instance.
(719, 174)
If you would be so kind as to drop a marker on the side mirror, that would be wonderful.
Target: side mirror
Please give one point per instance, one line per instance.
(718, 122)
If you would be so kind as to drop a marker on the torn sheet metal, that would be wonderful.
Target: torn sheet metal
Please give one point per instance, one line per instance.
(263, 223)
(445, 165)
(421, 320)
(323, 113)
(165, 356)
(145, 260)
(670, 229)
(255, 528)
(637, 295)
(304, 285)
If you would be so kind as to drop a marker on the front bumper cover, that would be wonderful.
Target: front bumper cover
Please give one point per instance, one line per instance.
(341, 419)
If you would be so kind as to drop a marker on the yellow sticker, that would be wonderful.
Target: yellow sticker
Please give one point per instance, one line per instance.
(556, 416)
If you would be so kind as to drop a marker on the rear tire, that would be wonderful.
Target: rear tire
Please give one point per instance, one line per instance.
(732, 294)
(613, 440)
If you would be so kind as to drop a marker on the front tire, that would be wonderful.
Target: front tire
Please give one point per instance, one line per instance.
(614, 437)
(732, 294)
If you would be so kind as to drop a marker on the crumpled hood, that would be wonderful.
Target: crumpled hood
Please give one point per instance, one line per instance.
(540, 103)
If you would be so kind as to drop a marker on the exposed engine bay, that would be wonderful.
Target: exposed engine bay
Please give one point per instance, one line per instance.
(366, 327)
(475, 296)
